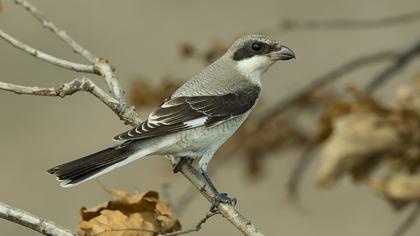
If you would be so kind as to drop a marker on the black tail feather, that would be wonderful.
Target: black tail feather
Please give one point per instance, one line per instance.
(77, 171)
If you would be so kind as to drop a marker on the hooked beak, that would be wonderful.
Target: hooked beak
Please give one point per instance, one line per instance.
(284, 53)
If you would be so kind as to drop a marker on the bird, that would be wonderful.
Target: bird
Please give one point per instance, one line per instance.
(195, 120)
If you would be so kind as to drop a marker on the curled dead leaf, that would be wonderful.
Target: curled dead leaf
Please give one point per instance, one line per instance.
(356, 138)
(401, 187)
(138, 214)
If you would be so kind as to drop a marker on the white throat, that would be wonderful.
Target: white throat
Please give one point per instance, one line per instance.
(254, 67)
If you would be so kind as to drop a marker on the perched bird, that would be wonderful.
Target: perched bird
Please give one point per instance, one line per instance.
(195, 120)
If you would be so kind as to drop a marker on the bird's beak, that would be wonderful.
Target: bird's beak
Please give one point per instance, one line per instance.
(283, 53)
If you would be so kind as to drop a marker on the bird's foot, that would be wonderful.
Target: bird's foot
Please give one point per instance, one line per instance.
(221, 198)
(180, 162)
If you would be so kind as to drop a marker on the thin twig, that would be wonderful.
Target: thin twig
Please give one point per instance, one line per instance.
(325, 79)
(349, 24)
(408, 222)
(400, 62)
(196, 228)
(77, 48)
(47, 57)
(295, 178)
(101, 65)
(111, 79)
(31, 221)
(131, 117)
(79, 84)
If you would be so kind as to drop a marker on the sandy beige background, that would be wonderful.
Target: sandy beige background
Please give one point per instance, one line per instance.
(141, 38)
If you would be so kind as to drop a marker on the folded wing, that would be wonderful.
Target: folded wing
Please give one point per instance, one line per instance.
(183, 113)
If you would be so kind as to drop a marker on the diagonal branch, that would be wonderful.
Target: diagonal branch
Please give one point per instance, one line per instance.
(400, 62)
(59, 32)
(47, 57)
(408, 222)
(227, 210)
(102, 66)
(118, 104)
(36, 223)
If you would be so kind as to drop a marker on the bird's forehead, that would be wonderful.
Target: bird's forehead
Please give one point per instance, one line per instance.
(245, 40)
(254, 37)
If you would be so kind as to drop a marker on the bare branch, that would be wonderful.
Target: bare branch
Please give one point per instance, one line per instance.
(59, 32)
(126, 113)
(408, 222)
(111, 79)
(36, 223)
(196, 228)
(299, 169)
(101, 66)
(346, 24)
(117, 103)
(227, 210)
(401, 60)
(46, 57)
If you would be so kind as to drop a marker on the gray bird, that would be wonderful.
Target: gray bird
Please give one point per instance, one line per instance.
(195, 120)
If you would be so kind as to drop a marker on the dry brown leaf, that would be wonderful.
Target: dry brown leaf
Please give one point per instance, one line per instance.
(357, 137)
(1, 6)
(401, 187)
(138, 214)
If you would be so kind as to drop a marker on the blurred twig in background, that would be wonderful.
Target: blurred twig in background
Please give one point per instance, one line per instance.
(400, 62)
(351, 24)
(408, 222)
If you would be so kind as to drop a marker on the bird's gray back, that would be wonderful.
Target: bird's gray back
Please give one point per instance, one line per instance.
(221, 77)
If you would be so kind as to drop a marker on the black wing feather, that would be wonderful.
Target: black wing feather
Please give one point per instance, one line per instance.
(182, 113)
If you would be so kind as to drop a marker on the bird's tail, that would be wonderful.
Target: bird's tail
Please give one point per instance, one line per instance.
(96, 164)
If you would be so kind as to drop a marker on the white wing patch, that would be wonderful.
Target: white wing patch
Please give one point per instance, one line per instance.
(196, 122)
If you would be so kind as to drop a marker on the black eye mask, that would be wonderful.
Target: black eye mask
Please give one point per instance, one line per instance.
(252, 49)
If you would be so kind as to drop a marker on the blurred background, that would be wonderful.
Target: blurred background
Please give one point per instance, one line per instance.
(156, 45)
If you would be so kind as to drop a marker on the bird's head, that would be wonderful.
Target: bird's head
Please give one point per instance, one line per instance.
(254, 54)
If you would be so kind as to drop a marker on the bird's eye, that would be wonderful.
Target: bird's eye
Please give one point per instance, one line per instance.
(256, 47)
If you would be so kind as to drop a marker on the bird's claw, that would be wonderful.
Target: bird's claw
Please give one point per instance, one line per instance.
(221, 198)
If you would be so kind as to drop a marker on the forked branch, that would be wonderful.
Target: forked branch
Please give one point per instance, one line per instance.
(115, 101)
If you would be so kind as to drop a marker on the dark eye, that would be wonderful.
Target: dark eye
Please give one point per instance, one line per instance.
(256, 47)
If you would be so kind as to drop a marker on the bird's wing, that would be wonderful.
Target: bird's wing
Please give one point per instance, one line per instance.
(183, 113)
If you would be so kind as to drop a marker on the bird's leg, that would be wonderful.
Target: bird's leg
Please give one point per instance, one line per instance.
(180, 162)
(218, 197)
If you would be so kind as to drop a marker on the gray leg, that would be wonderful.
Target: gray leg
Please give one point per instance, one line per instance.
(180, 162)
(218, 197)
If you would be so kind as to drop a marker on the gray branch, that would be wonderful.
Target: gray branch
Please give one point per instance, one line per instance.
(82, 83)
(227, 210)
(47, 57)
(102, 66)
(117, 103)
(31, 221)
(77, 48)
